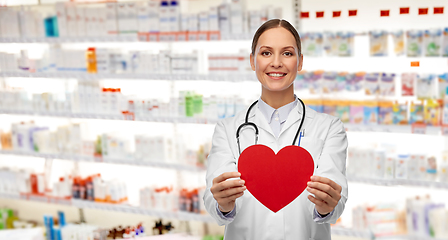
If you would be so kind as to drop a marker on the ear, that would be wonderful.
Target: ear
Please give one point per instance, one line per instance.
(299, 67)
(252, 63)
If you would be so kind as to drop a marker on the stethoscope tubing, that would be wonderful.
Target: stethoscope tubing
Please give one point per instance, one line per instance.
(247, 123)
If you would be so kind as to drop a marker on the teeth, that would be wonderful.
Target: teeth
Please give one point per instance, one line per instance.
(276, 74)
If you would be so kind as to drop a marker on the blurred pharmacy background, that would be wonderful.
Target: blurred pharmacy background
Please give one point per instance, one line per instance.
(107, 111)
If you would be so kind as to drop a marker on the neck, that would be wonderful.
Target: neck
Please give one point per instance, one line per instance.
(278, 99)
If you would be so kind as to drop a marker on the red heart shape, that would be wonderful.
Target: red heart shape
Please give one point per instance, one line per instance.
(275, 179)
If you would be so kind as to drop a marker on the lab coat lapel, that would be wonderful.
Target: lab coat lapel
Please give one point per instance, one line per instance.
(260, 120)
(296, 115)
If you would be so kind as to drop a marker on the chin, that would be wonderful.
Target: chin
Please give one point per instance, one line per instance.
(276, 88)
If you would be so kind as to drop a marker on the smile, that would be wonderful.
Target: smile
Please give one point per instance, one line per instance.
(276, 75)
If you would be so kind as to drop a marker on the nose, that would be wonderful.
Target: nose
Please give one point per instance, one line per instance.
(276, 62)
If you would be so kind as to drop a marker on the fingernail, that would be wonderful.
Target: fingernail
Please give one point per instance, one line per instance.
(308, 183)
(308, 188)
(242, 182)
(313, 178)
(239, 174)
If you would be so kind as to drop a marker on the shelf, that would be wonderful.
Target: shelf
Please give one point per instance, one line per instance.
(117, 38)
(430, 130)
(196, 120)
(183, 216)
(134, 162)
(351, 233)
(395, 182)
(124, 38)
(230, 77)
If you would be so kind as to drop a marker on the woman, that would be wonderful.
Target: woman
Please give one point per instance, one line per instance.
(276, 58)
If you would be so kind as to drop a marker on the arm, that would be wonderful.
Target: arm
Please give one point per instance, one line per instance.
(219, 190)
(329, 184)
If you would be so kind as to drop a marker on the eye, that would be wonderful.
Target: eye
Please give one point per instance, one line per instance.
(288, 54)
(265, 54)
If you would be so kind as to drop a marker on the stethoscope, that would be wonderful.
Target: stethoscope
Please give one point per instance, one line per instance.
(247, 123)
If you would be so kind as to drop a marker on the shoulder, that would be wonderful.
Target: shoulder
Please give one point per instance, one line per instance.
(232, 122)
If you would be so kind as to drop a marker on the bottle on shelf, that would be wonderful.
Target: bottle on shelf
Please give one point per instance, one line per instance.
(91, 60)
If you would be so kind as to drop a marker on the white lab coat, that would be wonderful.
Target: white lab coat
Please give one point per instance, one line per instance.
(325, 139)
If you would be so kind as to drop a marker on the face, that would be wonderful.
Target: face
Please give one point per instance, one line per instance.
(276, 60)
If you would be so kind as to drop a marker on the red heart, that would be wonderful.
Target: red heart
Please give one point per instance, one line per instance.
(275, 180)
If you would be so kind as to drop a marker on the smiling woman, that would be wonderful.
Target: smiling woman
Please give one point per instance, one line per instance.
(273, 121)
(276, 59)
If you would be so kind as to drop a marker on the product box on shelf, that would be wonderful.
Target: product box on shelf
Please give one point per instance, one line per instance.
(111, 18)
(425, 218)
(61, 19)
(388, 165)
(378, 43)
(398, 40)
(383, 220)
(385, 112)
(143, 15)
(236, 11)
(213, 20)
(81, 21)
(173, 200)
(414, 43)
(154, 24)
(431, 41)
(9, 23)
(71, 21)
(174, 16)
(416, 112)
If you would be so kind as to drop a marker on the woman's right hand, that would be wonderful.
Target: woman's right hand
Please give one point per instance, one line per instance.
(226, 192)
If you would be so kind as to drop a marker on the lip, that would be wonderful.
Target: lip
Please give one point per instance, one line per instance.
(276, 78)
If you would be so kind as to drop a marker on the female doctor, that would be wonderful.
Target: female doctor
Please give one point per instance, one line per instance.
(276, 58)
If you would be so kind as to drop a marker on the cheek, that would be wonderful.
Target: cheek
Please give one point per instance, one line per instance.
(261, 64)
(292, 64)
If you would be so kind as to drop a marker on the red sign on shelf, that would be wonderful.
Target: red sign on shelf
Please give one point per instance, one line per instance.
(336, 13)
(384, 13)
(352, 13)
(419, 128)
(319, 14)
(404, 10)
(438, 10)
(422, 11)
(304, 14)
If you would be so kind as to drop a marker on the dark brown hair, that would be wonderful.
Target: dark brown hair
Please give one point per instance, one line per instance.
(275, 23)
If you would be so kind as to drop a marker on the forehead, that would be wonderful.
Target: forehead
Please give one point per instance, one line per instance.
(277, 37)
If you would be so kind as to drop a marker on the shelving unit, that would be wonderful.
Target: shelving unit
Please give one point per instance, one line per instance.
(386, 64)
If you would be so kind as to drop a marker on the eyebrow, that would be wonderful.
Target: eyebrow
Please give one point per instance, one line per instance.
(271, 47)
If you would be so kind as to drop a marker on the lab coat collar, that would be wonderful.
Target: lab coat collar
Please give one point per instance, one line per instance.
(296, 115)
(261, 122)
(257, 117)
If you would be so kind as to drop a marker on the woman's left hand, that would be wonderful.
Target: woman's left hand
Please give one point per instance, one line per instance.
(326, 194)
